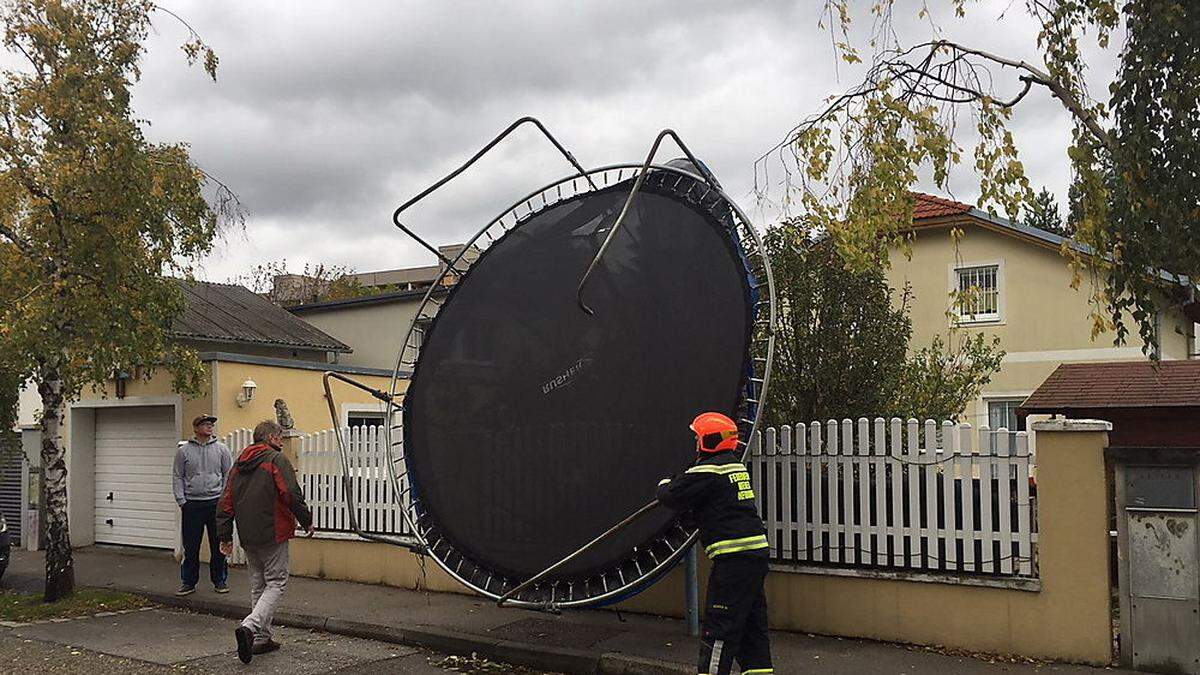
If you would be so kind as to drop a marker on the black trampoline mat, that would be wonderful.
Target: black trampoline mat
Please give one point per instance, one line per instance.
(530, 426)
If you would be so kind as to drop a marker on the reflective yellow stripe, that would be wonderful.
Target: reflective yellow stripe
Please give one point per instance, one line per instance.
(712, 468)
(735, 545)
(758, 670)
(664, 481)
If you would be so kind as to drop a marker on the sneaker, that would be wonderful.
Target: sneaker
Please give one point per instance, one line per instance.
(245, 643)
(222, 588)
(264, 647)
(185, 590)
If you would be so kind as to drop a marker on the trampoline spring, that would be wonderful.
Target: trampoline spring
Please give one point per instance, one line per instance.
(638, 564)
(487, 582)
(559, 189)
(753, 400)
(621, 575)
(757, 379)
(604, 582)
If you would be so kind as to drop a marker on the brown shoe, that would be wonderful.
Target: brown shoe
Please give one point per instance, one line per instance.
(264, 647)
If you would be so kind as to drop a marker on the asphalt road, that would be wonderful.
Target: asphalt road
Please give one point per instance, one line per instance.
(162, 641)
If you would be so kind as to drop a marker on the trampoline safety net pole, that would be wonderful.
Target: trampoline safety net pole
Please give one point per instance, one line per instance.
(578, 552)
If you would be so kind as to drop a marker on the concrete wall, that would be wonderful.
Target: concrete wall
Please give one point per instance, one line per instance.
(1065, 617)
(1043, 323)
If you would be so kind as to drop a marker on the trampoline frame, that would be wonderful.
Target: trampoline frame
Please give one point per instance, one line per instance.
(647, 561)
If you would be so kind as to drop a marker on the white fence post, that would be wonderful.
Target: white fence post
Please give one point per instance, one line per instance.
(931, 559)
(815, 461)
(949, 472)
(800, 461)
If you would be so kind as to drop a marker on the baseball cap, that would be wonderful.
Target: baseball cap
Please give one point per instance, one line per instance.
(201, 419)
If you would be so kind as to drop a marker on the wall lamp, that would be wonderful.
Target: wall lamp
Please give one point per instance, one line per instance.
(247, 393)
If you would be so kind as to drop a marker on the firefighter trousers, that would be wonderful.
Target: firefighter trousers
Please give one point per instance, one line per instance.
(735, 617)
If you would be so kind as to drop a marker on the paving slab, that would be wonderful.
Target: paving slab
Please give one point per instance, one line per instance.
(307, 652)
(157, 636)
(577, 641)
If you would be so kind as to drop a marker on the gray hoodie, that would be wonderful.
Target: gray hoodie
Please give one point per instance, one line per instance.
(200, 470)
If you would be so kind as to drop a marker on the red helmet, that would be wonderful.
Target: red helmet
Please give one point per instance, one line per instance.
(715, 432)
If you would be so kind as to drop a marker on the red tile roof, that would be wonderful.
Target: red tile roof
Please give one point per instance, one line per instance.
(1134, 384)
(929, 206)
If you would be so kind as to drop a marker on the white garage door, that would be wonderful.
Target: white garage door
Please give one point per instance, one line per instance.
(135, 448)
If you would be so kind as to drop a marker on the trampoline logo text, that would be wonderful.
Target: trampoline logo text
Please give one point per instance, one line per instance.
(565, 377)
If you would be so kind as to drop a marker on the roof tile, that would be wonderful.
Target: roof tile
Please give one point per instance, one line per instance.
(930, 206)
(1132, 384)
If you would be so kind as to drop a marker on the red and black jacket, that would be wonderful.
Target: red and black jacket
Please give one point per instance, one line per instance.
(717, 493)
(263, 497)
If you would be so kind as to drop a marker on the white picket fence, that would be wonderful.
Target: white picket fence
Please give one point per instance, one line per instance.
(894, 495)
(866, 494)
(321, 477)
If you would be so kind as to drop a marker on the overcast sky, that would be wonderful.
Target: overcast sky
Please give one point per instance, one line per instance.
(326, 116)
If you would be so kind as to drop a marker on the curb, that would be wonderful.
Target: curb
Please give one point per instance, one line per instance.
(544, 657)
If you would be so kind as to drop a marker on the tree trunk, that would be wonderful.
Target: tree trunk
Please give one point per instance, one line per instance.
(60, 567)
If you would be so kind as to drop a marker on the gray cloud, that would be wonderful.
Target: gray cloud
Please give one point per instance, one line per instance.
(327, 116)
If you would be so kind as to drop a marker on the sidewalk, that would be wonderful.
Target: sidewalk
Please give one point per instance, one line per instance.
(576, 642)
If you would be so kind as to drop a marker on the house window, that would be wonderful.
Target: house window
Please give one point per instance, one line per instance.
(1004, 414)
(978, 291)
(364, 419)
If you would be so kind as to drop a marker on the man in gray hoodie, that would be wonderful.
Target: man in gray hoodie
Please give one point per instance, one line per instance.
(202, 465)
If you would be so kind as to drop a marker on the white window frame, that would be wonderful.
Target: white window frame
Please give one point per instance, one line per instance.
(348, 408)
(977, 319)
(988, 400)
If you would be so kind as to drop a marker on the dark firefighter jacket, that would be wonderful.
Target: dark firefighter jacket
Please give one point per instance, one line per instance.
(717, 493)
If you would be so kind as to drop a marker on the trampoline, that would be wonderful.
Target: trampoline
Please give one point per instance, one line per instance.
(543, 403)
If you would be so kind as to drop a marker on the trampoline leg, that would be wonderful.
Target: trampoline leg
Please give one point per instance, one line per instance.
(691, 589)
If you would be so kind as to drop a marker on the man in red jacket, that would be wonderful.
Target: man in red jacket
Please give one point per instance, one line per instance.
(264, 500)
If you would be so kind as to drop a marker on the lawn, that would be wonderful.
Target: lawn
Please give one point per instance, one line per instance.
(23, 607)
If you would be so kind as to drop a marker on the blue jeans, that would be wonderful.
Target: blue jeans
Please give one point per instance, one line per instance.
(198, 516)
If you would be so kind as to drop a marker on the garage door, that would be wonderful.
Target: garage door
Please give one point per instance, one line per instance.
(12, 473)
(135, 448)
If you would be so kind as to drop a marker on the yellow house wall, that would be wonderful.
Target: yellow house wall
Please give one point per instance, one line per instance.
(301, 389)
(1043, 323)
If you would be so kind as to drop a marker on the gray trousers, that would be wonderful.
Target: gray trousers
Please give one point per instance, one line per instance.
(268, 567)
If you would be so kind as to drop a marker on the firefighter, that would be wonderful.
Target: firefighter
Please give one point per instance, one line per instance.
(715, 492)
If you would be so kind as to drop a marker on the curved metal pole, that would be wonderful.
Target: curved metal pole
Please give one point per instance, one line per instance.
(637, 186)
(578, 552)
(524, 120)
(351, 505)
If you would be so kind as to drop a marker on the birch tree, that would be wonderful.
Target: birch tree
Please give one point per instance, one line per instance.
(93, 219)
